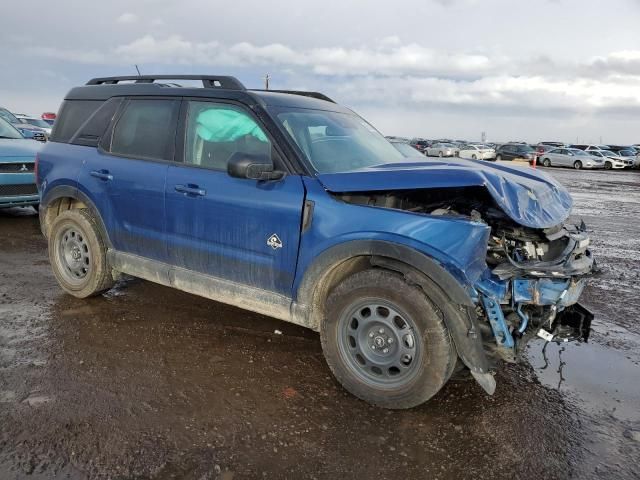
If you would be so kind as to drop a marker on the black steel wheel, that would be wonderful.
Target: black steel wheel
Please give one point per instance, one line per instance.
(78, 254)
(385, 340)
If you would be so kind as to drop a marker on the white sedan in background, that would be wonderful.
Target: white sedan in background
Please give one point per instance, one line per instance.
(477, 152)
(571, 157)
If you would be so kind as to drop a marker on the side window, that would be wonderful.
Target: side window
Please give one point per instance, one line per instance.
(90, 133)
(214, 132)
(146, 129)
(73, 113)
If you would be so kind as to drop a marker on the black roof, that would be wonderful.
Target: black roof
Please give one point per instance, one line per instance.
(214, 86)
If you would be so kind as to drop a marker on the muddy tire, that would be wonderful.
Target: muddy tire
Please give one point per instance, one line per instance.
(577, 165)
(546, 162)
(78, 254)
(385, 341)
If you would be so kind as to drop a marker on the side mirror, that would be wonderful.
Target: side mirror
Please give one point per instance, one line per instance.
(253, 167)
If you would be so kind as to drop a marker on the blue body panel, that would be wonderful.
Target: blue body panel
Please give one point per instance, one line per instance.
(458, 245)
(530, 198)
(223, 231)
(130, 198)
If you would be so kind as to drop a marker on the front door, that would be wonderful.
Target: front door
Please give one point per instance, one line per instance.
(242, 230)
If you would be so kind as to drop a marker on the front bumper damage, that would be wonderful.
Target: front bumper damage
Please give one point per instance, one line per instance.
(521, 299)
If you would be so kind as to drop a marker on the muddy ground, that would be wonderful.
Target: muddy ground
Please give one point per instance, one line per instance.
(146, 382)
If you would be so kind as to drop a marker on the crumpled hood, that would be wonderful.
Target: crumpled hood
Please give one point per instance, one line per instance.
(529, 197)
(18, 148)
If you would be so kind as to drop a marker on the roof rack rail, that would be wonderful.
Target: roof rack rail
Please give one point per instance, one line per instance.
(208, 81)
(318, 95)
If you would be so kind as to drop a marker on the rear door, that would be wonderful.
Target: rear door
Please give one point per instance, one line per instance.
(126, 176)
(241, 230)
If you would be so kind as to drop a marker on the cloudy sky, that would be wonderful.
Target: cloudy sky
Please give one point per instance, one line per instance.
(517, 69)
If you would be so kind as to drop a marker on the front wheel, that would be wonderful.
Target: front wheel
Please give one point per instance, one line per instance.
(78, 254)
(498, 158)
(440, 154)
(577, 164)
(473, 157)
(608, 165)
(385, 341)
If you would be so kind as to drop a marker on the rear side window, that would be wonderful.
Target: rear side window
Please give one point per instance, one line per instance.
(90, 133)
(146, 129)
(73, 113)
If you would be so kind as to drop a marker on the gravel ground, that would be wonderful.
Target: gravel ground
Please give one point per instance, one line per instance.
(146, 382)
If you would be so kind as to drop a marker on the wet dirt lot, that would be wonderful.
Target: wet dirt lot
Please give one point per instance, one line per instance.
(146, 382)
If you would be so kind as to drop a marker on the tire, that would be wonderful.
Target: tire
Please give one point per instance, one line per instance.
(473, 157)
(577, 165)
(78, 254)
(498, 157)
(608, 165)
(364, 312)
(440, 154)
(546, 162)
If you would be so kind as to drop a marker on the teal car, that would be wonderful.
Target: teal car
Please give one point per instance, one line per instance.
(17, 168)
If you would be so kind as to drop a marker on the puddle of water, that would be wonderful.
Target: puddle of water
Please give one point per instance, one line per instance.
(600, 379)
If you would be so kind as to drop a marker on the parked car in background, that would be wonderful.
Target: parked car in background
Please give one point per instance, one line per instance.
(35, 121)
(406, 149)
(27, 131)
(570, 157)
(49, 117)
(553, 144)
(515, 151)
(477, 152)
(610, 159)
(17, 163)
(420, 144)
(590, 147)
(542, 148)
(442, 150)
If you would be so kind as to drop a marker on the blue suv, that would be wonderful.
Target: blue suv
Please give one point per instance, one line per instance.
(287, 204)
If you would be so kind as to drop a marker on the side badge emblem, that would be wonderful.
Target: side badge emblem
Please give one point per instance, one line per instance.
(274, 241)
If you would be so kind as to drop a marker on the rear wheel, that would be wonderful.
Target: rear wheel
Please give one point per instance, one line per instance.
(546, 162)
(385, 341)
(440, 154)
(78, 254)
(577, 164)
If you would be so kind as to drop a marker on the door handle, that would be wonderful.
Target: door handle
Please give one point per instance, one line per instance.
(102, 175)
(192, 190)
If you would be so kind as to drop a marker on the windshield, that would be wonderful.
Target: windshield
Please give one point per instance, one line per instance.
(336, 142)
(609, 153)
(627, 153)
(8, 131)
(406, 149)
(8, 116)
(36, 122)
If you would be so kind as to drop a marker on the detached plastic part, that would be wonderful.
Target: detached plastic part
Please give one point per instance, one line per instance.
(486, 381)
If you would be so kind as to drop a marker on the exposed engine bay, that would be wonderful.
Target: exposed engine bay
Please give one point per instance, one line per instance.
(534, 276)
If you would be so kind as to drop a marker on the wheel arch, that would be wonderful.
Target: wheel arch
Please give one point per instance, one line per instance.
(341, 261)
(63, 198)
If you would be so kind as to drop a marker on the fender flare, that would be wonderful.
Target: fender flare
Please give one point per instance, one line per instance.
(67, 191)
(418, 269)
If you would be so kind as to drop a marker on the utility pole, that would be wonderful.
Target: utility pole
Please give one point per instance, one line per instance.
(266, 81)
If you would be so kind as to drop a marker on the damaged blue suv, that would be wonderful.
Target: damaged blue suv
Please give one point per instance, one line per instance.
(287, 204)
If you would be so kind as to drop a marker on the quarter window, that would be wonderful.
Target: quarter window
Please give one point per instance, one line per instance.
(217, 131)
(146, 129)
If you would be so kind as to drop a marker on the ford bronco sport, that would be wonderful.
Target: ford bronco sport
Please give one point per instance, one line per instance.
(287, 204)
